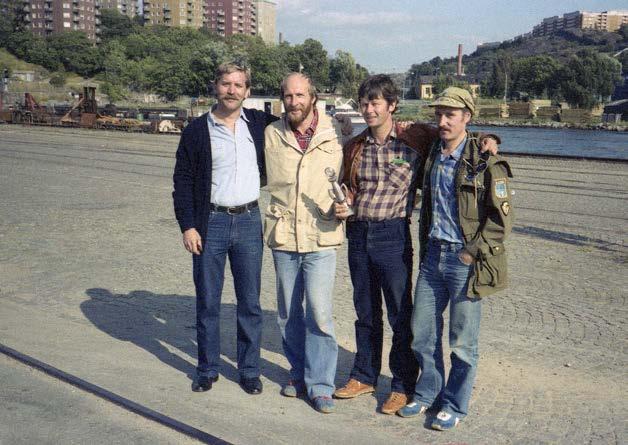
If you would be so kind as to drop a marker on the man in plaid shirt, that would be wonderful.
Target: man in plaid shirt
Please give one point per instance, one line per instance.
(381, 170)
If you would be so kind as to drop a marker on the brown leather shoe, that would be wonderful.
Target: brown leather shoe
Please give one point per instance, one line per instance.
(352, 389)
(395, 401)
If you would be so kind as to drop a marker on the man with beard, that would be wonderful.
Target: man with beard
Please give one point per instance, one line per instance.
(304, 235)
(216, 187)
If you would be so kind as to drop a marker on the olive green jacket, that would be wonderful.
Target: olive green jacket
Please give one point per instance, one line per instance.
(485, 214)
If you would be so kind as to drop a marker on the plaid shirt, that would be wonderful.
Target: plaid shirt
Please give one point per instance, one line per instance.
(445, 223)
(386, 180)
(304, 138)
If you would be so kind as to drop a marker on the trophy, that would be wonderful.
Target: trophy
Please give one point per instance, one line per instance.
(336, 191)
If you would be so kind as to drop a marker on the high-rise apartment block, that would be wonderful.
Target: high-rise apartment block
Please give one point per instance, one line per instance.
(130, 8)
(46, 17)
(175, 13)
(603, 21)
(266, 20)
(228, 17)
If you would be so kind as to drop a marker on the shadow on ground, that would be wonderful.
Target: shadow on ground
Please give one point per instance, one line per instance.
(161, 323)
(568, 238)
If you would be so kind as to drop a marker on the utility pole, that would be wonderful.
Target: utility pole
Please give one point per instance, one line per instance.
(4, 87)
(506, 88)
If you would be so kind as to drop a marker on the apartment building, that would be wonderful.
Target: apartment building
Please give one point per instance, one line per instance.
(266, 20)
(604, 21)
(130, 8)
(175, 13)
(228, 17)
(47, 17)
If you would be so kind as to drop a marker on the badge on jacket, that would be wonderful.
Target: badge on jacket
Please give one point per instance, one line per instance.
(501, 190)
(505, 208)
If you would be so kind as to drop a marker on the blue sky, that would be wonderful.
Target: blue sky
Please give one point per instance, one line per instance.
(388, 36)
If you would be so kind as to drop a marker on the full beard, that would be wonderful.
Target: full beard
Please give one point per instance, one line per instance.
(296, 119)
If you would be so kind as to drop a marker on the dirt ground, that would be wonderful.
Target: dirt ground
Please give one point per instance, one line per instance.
(94, 281)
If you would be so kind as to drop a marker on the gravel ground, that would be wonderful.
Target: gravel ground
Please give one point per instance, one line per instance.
(94, 281)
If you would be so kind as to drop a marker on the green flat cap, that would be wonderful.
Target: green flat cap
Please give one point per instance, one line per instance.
(455, 97)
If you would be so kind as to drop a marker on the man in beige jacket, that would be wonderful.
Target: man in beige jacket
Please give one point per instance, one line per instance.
(301, 229)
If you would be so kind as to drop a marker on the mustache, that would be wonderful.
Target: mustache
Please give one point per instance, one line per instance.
(229, 96)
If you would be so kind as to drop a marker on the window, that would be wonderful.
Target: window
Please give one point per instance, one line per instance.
(67, 24)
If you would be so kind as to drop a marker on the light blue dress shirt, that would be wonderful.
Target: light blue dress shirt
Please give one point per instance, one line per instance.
(235, 175)
(445, 223)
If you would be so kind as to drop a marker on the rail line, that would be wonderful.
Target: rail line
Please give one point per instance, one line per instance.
(114, 398)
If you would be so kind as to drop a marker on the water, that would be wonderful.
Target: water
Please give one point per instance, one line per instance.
(561, 142)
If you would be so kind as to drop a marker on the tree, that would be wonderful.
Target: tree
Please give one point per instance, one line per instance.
(623, 59)
(313, 58)
(588, 78)
(76, 52)
(58, 79)
(535, 75)
(114, 24)
(203, 64)
(346, 75)
(501, 74)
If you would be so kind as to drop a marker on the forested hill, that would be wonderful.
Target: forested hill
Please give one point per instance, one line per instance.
(580, 67)
(560, 47)
(172, 62)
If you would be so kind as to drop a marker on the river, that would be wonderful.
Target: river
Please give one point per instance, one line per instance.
(561, 142)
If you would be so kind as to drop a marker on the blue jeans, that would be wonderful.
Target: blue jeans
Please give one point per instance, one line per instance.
(239, 237)
(380, 261)
(307, 333)
(443, 279)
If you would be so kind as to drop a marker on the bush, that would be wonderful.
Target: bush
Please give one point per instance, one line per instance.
(58, 79)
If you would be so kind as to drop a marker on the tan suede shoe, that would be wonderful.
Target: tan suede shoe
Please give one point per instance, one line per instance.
(395, 401)
(352, 389)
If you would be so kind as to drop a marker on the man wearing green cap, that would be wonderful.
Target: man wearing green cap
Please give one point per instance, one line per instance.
(466, 215)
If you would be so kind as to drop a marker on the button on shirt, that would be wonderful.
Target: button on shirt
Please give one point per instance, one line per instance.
(445, 222)
(385, 180)
(235, 174)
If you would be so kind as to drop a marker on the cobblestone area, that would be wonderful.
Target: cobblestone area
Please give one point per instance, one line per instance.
(93, 280)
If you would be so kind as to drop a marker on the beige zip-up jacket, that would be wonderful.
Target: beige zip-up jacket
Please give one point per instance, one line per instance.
(300, 216)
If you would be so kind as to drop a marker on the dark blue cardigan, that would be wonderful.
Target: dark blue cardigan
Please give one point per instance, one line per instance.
(193, 169)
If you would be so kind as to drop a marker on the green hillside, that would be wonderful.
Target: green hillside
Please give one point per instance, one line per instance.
(580, 67)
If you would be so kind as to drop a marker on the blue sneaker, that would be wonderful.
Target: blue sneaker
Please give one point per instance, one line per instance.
(294, 388)
(412, 409)
(324, 404)
(444, 421)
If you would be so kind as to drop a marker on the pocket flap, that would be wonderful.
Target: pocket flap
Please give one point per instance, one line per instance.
(278, 211)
